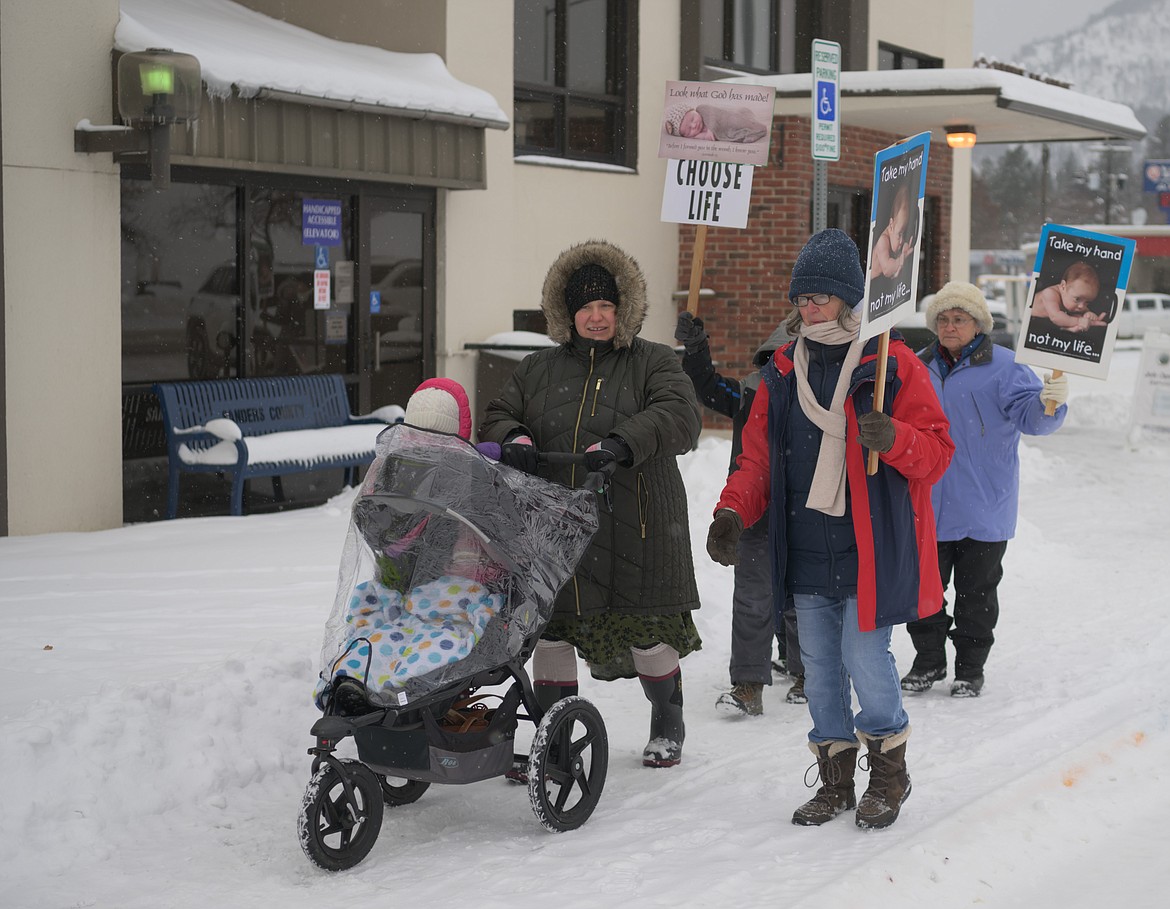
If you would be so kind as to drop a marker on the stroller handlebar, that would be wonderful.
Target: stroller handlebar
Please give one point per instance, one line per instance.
(595, 481)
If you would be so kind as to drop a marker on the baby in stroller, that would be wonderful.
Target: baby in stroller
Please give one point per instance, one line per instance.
(434, 587)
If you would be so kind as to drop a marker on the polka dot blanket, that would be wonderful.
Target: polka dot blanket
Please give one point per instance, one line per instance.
(394, 638)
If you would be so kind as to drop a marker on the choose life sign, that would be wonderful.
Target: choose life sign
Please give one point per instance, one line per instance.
(826, 120)
(707, 192)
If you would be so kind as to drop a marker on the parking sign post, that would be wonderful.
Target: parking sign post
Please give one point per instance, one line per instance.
(826, 123)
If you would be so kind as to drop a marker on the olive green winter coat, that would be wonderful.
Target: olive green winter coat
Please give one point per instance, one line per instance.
(569, 397)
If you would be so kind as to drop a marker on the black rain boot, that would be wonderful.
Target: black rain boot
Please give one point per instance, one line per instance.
(835, 764)
(930, 647)
(889, 782)
(969, 659)
(547, 694)
(666, 720)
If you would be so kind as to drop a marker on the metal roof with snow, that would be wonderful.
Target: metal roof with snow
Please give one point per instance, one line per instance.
(285, 99)
(1002, 106)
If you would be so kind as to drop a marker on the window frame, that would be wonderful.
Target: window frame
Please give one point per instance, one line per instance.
(902, 54)
(619, 103)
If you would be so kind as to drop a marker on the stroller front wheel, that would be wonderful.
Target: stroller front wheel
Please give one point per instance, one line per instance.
(567, 764)
(337, 829)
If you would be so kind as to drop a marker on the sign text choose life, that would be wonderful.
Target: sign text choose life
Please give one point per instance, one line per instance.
(707, 192)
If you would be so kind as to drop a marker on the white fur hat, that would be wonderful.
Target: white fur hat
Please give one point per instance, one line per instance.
(959, 295)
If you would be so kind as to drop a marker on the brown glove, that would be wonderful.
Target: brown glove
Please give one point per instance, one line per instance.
(723, 537)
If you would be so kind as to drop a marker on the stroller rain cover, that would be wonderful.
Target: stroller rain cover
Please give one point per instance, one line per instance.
(450, 567)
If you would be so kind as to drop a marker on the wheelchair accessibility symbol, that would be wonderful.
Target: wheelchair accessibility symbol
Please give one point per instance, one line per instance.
(826, 101)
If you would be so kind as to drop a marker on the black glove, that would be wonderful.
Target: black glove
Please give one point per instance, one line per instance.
(689, 332)
(876, 431)
(723, 537)
(519, 454)
(606, 456)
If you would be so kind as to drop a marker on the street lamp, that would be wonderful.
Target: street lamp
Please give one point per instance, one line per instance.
(157, 88)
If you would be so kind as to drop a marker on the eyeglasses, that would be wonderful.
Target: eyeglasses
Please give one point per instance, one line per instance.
(802, 300)
(956, 321)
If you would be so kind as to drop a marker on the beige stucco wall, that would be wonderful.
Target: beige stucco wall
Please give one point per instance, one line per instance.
(61, 270)
(498, 244)
(938, 29)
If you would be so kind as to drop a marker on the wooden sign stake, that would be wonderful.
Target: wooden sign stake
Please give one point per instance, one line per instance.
(1049, 407)
(697, 269)
(879, 394)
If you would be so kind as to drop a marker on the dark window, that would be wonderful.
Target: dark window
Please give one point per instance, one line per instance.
(756, 36)
(178, 280)
(891, 57)
(575, 79)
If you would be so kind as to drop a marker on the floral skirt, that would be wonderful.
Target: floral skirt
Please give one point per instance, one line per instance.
(604, 640)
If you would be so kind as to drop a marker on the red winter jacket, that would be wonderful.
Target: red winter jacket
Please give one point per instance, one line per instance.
(893, 522)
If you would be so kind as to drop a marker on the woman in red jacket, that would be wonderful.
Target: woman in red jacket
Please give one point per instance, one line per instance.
(857, 552)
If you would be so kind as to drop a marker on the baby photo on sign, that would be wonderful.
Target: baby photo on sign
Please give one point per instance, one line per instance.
(711, 121)
(891, 279)
(1078, 284)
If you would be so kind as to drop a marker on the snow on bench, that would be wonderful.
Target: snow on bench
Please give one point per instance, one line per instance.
(264, 427)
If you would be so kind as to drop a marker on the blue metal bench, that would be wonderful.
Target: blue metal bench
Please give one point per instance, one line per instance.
(245, 428)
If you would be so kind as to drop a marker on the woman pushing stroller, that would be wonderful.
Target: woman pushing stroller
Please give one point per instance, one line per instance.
(626, 403)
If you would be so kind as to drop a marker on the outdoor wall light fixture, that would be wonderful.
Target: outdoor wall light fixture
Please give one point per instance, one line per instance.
(157, 88)
(961, 136)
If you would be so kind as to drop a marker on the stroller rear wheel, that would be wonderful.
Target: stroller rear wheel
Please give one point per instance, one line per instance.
(336, 830)
(397, 791)
(567, 764)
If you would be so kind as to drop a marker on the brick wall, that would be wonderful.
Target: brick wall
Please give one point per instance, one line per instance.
(749, 269)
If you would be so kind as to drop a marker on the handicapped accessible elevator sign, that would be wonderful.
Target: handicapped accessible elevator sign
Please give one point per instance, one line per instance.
(826, 119)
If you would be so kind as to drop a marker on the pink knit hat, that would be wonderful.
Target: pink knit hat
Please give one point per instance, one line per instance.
(441, 405)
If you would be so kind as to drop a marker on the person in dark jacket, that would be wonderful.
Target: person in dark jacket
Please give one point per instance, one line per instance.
(626, 403)
(753, 618)
(857, 552)
(990, 399)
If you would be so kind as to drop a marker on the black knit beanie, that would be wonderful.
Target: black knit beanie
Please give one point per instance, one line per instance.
(829, 264)
(588, 283)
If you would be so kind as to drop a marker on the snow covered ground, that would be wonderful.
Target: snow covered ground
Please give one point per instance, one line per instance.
(156, 689)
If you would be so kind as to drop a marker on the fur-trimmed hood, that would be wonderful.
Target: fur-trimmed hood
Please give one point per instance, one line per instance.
(631, 283)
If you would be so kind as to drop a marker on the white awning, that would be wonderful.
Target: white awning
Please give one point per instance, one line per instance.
(1002, 106)
(250, 54)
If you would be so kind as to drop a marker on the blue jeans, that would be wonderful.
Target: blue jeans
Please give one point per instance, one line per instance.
(836, 654)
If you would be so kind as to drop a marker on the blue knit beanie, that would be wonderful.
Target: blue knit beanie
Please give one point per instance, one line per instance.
(829, 264)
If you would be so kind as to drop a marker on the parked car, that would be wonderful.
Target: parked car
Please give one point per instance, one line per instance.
(1141, 311)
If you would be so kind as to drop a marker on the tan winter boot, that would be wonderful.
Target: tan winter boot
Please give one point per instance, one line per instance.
(835, 765)
(889, 783)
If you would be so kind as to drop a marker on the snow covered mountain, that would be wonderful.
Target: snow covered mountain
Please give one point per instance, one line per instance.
(1119, 54)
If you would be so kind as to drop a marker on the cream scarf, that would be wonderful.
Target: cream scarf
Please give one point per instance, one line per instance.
(828, 487)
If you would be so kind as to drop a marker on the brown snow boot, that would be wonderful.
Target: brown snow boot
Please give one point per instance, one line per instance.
(889, 783)
(835, 764)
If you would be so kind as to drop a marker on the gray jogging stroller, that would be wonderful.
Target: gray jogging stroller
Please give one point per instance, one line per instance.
(447, 580)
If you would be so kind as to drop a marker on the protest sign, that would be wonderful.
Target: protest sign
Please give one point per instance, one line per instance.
(1078, 285)
(715, 121)
(891, 273)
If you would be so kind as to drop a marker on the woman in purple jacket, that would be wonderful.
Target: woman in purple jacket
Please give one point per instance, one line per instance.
(990, 400)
